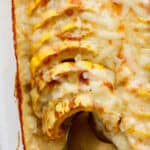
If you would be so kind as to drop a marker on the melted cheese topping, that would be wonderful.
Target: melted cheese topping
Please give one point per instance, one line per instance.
(89, 55)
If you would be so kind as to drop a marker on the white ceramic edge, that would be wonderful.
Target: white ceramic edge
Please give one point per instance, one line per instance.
(9, 120)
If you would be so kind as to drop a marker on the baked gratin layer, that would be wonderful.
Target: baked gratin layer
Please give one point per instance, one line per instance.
(83, 55)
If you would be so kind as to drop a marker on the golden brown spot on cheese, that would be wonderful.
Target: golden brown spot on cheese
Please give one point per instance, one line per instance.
(110, 42)
(109, 86)
(117, 7)
(124, 81)
(69, 12)
(121, 28)
(44, 2)
(141, 5)
(76, 2)
(72, 103)
(70, 38)
(136, 29)
(122, 57)
(102, 7)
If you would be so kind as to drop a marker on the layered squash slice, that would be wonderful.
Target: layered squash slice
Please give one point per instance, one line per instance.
(83, 56)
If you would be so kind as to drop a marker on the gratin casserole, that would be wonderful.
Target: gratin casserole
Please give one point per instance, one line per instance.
(83, 55)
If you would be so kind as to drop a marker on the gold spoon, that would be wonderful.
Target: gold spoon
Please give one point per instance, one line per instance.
(81, 136)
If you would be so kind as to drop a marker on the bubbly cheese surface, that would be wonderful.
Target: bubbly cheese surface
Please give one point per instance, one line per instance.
(86, 55)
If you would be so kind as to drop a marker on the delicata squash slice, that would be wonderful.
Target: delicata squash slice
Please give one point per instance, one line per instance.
(83, 55)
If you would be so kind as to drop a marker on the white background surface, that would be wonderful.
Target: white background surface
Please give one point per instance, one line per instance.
(9, 122)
